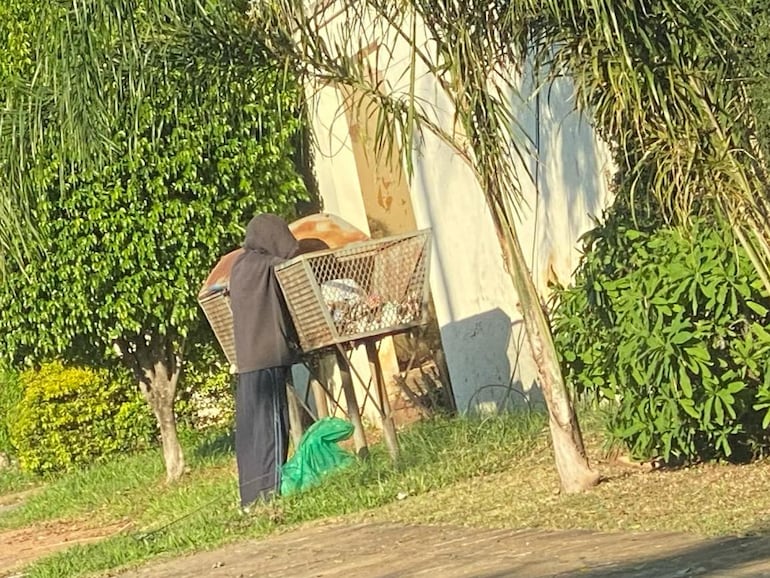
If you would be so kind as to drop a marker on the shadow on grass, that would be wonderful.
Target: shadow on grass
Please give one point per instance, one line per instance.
(215, 445)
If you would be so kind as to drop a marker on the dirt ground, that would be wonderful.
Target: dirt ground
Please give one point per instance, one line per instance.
(391, 550)
(24, 545)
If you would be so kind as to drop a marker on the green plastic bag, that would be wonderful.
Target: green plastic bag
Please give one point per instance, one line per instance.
(317, 454)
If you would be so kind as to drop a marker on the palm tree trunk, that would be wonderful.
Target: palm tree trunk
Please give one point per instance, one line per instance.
(575, 473)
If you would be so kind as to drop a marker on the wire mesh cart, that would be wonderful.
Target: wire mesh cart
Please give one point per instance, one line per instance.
(354, 295)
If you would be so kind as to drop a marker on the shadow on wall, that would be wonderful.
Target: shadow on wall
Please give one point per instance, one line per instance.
(568, 165)
(588, 163)
(484, 356)
(571, 188)
(304, 162)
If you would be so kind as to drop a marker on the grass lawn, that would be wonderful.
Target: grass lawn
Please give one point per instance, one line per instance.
(202, 512)
(496, 472)
(13, 481)
(709, 500)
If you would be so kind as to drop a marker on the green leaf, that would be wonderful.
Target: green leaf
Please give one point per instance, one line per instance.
(689, 408)
(719, 411)
(698, 352)
(684, 382)
(760, 310)
(735, 387)
(681, 337)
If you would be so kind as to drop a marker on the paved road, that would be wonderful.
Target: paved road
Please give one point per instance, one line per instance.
(390, 551)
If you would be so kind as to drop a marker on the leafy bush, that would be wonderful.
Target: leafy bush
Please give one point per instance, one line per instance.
(205, 397)
(10, 396)
(70, 416)
(669, 325)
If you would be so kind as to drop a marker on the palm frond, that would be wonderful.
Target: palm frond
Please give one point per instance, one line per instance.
(658, 80)
(95, 65)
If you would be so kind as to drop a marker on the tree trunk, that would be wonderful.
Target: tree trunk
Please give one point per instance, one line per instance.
(157, 369)
(572, 465)
(161, 396)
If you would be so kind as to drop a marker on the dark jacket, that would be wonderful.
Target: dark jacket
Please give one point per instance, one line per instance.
(263, 329)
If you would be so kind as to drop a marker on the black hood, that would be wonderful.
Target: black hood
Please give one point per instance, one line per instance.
(270, 234)
(262, 327)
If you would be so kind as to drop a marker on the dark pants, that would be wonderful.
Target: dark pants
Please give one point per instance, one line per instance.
(261, 432)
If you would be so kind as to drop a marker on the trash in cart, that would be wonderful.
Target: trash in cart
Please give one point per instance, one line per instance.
(364, 289)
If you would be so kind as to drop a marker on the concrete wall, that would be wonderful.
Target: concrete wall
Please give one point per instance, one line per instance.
(476, 306)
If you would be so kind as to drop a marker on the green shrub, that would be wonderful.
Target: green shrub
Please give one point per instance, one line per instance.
(71, 416)
(206, 399)
(668, 325)
(10, 396)
(205, 396)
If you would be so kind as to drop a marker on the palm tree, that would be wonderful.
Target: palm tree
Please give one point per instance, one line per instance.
(92, 64)
(653, 76)
(659, 79)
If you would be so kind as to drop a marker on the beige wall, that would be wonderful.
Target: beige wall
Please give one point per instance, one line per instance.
(475, 303)
(383, 184)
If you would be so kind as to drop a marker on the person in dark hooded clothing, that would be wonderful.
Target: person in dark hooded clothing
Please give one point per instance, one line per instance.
(263, 349)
